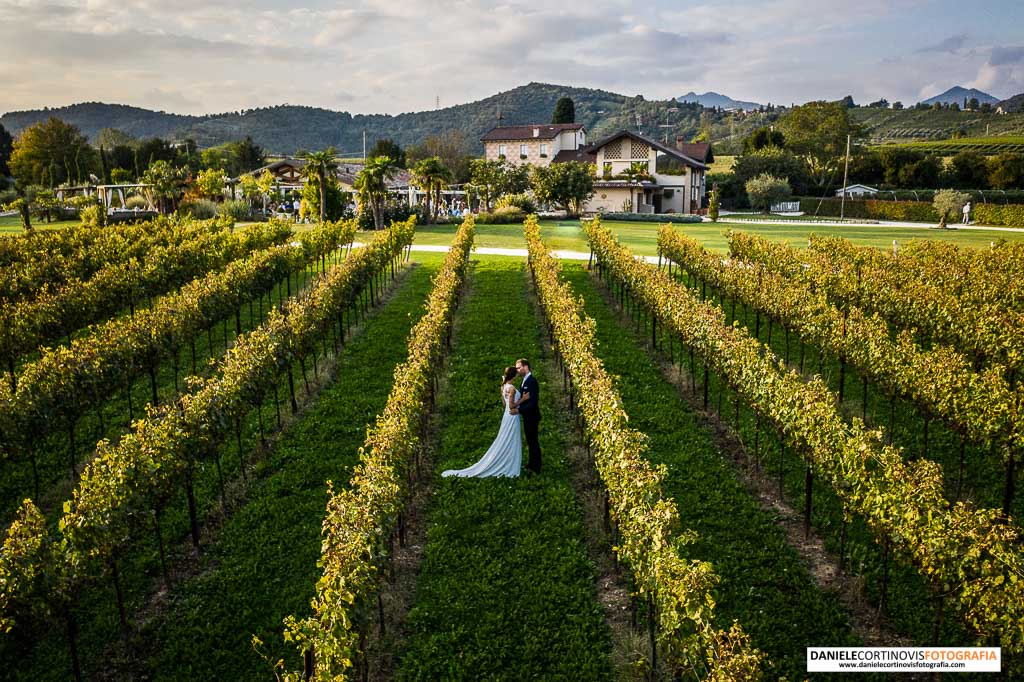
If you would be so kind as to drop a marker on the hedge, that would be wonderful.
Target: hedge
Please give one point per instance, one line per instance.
(993, 214)
(653, 217)
(1011, 215)
(872, 209)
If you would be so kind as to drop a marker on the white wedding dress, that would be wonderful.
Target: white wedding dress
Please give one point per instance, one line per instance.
(505, 456)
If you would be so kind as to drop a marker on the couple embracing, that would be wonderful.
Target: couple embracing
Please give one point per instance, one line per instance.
(505, 456)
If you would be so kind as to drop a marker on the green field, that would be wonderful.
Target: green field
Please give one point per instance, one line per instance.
(1008, 144)
(642, 237)
(12, 224)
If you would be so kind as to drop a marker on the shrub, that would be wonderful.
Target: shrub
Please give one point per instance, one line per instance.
(872, 209)
(1009, 215)
(237, 209)
(652, 217)
(502, 216)
(713, 204)
(521, 200)
(136, 202)
(92, 215)
(200, 209)
(765, 190)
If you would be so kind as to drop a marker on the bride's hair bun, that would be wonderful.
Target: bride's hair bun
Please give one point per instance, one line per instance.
(510, 373)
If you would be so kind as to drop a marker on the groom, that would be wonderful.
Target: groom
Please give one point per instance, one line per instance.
(529, 410)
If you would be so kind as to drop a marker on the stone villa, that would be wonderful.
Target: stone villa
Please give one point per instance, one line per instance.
(673, 176)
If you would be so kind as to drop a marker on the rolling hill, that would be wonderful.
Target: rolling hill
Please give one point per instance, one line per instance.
(286, 129)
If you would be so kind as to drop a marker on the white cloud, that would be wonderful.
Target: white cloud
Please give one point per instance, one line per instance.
(199, 56)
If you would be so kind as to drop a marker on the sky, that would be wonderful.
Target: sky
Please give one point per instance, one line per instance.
(376, 56)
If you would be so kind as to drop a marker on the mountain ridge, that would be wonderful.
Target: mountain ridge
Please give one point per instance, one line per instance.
(957, 94)
(714, 99)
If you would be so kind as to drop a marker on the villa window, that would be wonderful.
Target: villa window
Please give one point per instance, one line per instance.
(501, 150)
(522, 150)
(543, 149)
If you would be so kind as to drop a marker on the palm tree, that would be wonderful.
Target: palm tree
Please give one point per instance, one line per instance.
(636, 171)
(431, 176)
(318, 165)
(372, 185)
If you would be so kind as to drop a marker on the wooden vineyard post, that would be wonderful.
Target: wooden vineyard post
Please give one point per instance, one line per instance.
(808, 490)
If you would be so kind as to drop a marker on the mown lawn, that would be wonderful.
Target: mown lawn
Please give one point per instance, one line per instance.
(642, 238)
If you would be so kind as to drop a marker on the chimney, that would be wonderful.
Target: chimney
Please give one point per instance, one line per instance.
(536, 132)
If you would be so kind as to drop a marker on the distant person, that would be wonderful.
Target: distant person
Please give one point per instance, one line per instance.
(967, 213)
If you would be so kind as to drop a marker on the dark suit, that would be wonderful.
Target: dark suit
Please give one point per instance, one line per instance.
(530, 412)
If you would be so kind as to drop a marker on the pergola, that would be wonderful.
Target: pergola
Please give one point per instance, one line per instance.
(108, 192)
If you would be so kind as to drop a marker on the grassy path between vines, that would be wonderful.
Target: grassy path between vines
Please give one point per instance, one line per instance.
(261, 564)
(763, 584)
(506, 589)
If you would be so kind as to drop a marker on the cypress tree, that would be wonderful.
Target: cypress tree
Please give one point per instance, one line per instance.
(565, 111)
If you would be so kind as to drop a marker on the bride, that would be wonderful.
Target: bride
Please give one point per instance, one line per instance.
(505, 456)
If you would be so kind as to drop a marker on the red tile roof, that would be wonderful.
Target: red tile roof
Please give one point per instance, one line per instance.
(583, 154)
(546, 131)
(700, 151)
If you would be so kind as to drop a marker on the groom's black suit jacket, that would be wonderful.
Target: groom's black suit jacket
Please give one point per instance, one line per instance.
(530, 407)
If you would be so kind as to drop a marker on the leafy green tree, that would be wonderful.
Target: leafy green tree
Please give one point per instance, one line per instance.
(765, 190)
(494, 179)
(865, 167)
(156, 149)
(52, 152)
(969, 170)
(565, 111)
(112, 137)
(763, 137)
(319, 166)
(165, 183)
(1006, 171)
(894, 160)
(451, 146)
(336, 200)
(431, 176)
(121, 176)
(391, 149)
(216, 157)
(817, 133)
(372, 186)
(923, 174)
(486, 176)
(567, 185)
(6, 145)
(246, 155)
(210, 183)
(973, 104)
(513, 178)
(776, 162)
